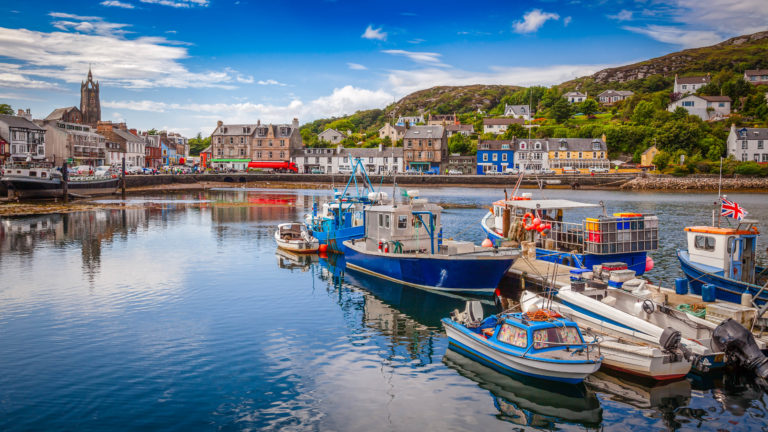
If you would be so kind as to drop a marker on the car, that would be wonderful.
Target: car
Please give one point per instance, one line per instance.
(316, 171)
(455, 172)
(494, 173)
(512, 171)
(597, 170)
(103, 170)
(546, 171)
(570, 170)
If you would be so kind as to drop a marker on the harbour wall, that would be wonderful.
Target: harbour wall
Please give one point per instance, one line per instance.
(709, 182)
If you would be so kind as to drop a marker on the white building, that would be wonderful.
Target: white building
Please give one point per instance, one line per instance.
(609, 97)
(531, 154)
(331, 136)
(705, 107)
(690, 84)
(747, 144)
(575, 97)
(517, 111)
(25, 139)
(499, 125)
(394, 133)
(410, 120)
(339, 160)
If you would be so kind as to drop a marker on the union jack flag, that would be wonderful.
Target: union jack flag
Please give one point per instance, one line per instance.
(731, 209)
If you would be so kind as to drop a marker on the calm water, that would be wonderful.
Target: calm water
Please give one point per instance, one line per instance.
(178, 314)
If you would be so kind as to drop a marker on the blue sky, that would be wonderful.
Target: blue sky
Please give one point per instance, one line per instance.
(184, 64)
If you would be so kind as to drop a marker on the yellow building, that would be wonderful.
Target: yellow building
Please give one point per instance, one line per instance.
(646, 159)
(578, 153)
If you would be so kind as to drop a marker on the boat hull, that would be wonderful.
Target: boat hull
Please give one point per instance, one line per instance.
(473, 345)
(297, 246)
(468, 273)
(725, 289)
(24, 187)
(335, 238)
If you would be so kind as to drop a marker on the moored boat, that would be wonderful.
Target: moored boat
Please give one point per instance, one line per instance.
(39, 180)
(295, 238)
(404, 244)
(543, 345)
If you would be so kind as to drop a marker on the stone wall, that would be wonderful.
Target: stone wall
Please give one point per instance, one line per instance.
(703, 182)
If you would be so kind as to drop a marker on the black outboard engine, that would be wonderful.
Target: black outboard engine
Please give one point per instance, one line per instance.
(670, 342)
(740, 347)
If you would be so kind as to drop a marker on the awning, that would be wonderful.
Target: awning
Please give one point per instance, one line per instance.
(419, 163)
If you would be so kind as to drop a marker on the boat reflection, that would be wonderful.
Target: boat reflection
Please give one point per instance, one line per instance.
(530, 402)
(291, 261)
(641, 394)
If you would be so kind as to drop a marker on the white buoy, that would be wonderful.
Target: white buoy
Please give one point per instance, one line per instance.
(746, 299)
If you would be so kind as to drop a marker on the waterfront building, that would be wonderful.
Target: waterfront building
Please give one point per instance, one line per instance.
(408, 121)
(499, 125)
(425, 148)
(339, 160)
(465, 164)
(531, 154)
(575, 97)
(705, 107)
(233, 146)
(442, 119)
(90, 105)
(75, 142)
(610, 97)
(748, 144)
(578, 153)
(518, 111)
(464, 129)
(646, 159)
(180, 143)
(494, 155)
(130, 145)
(205, 158)
(153, 157)
(395, 133)
(331, 136)
(67, 115)
(689, 84)
(756, 76)
(24, 140)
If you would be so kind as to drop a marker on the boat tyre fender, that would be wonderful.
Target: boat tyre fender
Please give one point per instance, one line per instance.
(648, 307)
(526, 225)
(566, 261)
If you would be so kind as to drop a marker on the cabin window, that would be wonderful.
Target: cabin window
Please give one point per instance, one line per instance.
(555, 336)
(706, 243)
(512, 335)
(402, 222)
(384, 221)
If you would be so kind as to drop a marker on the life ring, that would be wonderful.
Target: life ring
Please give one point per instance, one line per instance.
(527, 226)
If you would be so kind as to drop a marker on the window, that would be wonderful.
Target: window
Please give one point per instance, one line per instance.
(743, 157)
(505, 146)
(242, 140)
(383, 221)
(556, 337)
(231, 140)
(270, 155)
(370, 160)
(409, 144)
(760, 144)
(258, 155)
(765, 157)
(512, 335)
(504, 157)
(568, 155)
(485, 157)
(721, 104)
(687, 103)
(522, 145)
(242, 152)
(495, 157)
(705, 243)
(402, 222)
(744, 144)
(282, 156)
(218, 140)
(685, 87)
(537, 146)
(429, 143)
(757, 157)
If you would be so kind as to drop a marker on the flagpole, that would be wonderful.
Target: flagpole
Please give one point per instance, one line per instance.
(719, 188)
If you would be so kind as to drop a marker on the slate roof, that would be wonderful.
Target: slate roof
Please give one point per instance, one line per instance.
(518, 109)
(754, 72)
(434, 132)
(649, 149)
(58, 113)
(495, 144)
(576, 144)
(611, 93)
(753, 133)
(460, 127)
(369, 152)
(716, 98)
(234, 129)
(19, 122)
(127, 136)
(692, 80)
(574, 93)
(502, 121)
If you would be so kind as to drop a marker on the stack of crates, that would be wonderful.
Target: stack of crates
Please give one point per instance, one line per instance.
(621, 233)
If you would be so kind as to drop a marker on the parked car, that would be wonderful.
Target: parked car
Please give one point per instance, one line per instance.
(546, 171)
(134, 169)
(316, 171)
(570, 170)
(599, 170)
(494, 172)
(455, 172)
(432, 171)
(103, 170)
(512, 171)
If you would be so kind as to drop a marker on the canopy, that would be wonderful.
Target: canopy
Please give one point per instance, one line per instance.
(547, 204)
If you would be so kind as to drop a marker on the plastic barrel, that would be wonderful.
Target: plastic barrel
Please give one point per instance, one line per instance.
(708, 293)
(681, 286)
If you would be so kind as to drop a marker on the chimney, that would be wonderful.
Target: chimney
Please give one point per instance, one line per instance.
(381, 147)
(258, 122)
(133, 131)
(603, 138)
(295, 122)
(219, 124)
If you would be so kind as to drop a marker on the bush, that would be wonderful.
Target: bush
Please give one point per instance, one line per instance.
(680, 171)
(749, 168)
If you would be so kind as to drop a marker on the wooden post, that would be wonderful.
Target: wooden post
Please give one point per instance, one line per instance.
(123, 177)
(65, 180)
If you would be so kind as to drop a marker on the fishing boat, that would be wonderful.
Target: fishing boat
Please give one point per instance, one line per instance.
(41, 180)
(638, 355)
(622, 237)
(404, 243)
(725, 258)
(529, 401)
(294, 237)
(543, 344)
(295, 261)
(343, 218)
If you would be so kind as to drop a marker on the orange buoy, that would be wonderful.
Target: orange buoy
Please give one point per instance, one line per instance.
(323, 248)
(487, 243)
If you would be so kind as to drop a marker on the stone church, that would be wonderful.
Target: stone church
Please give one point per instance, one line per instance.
(90, 107)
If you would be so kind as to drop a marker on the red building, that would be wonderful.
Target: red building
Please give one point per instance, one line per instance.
(205, 158)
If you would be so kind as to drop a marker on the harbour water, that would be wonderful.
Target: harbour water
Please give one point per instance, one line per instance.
(177, 313)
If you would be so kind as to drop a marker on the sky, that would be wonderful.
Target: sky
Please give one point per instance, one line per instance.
(182, 65)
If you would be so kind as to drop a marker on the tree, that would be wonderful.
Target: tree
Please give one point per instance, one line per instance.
(643, 113)
(6, 109)
(736, 88)
(560, 111)
(680, 113)
(458, 143)
(152, 131)
(198, 144)
(514, 130)
(589, 107)
(661, 160)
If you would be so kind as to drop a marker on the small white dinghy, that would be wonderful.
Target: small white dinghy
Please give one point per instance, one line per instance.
(294, 237)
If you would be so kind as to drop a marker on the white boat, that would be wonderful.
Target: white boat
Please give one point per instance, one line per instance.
(295, 238)
(640, 355)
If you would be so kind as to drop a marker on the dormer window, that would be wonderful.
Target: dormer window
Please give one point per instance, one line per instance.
(537, 146)
(522, 145)
(595, 145)
(563, 144)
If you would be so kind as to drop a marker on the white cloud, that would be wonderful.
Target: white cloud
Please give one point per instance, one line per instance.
(567, 20)
(178, 3)
(623, 15)
(116, 3)
(533, 20)
(345, 100)
(372, 33)
(678, 36)
(66, 56)
(271, 82)
(245, 79)
(356, 66)
(404, 82)
(429, 58)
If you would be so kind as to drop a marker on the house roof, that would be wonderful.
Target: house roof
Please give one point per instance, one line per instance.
(502, 121)
(753, 133)
(460, 127)
(424, 132)
(692, 80)
(751, 72)
(518, 109)
(653, 147)
(495, 144)
(609, 93)
(19, 122)
(369, 152)
(234, 129)
(574, 93)
(716, 98)
(206, 150)
(127, 136)
(332, 131)
(58, 113)
(440, 117)
(576, 144)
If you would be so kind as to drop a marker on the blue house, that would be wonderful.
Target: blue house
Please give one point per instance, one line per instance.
(495, 155)
(164, 155)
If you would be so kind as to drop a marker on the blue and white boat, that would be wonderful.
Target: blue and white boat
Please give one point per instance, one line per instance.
(404, 243)
(344, 217)
(726, 259)
(623, 237)
(550, 348)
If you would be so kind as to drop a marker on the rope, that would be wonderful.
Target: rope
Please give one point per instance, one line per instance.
(698, 310)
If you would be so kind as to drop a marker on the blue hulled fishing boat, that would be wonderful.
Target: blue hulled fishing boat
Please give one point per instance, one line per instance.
(404, 243)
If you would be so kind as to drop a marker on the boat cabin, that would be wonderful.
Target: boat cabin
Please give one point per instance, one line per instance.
(731, 251)
(518, 330)
(404, 228)
(292, 231)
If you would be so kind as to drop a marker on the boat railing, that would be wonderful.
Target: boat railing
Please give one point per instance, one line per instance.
(583, 345)
(564, 236)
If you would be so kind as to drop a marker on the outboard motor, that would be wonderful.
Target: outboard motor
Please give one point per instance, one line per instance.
(740, 347)
(670, 342)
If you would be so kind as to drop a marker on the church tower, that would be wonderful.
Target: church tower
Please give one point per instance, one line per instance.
(89, 101)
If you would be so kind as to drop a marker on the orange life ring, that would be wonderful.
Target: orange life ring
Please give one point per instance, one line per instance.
(527, 226)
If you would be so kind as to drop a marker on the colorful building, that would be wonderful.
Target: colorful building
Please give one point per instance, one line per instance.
(495, 155)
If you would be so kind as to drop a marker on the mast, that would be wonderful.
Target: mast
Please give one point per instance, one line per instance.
(719, 189)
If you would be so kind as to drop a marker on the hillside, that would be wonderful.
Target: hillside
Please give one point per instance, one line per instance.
(448, 100)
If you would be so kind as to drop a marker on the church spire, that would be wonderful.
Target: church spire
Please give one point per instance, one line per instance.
(90, 75)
